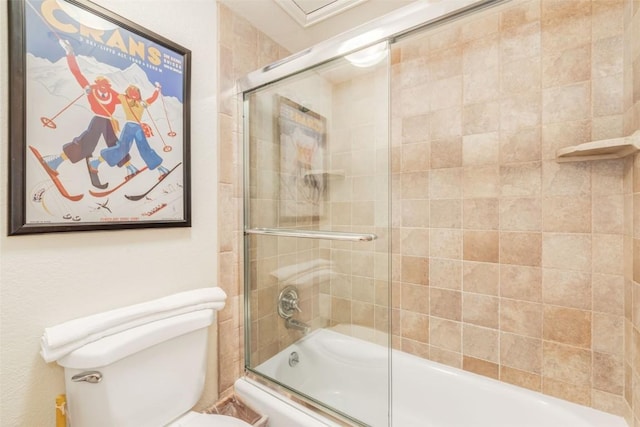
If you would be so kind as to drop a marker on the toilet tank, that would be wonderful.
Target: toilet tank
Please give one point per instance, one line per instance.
(151, 374)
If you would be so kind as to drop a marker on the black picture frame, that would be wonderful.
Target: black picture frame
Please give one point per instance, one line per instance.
(99, 121)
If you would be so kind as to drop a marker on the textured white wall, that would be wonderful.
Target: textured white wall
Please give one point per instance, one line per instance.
(47, 279)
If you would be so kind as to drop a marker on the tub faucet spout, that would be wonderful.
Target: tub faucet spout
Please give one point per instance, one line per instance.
(292, 323)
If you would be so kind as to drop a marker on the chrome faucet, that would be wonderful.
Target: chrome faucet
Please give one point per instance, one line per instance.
(288, 302)
(287, 306)
(292, 323)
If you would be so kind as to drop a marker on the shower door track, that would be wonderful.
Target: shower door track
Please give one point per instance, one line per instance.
(391, 27)
(313, 234)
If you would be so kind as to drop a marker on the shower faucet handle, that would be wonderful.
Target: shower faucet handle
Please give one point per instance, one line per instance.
(288, 302)
(293, 305)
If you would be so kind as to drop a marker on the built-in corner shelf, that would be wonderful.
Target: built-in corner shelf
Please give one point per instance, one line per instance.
(600, 150)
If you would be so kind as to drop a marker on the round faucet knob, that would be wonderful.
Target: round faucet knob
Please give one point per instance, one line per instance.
(288, 302)
(291, 302)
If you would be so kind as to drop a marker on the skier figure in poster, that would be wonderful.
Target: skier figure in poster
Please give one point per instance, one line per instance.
(133, 107)
(103, 100)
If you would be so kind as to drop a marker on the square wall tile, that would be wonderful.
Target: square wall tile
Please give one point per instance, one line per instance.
(414, 326)
(480, 149)
(521, 282)
(523, 353)
(445, 273)
(520, 180)
(480, 246)
(567, 251)
(481, 278)
(446, 213)
(445, 334)
(446, 153)
(480, 214)
(446, 304)
(481, 343)
(567, 326)
(521, 248)
(521, 214)
(519, 317)
(523, 145)
(565, 363)
(481, 310)
(568, 214)
(415, 270)
(566, 288)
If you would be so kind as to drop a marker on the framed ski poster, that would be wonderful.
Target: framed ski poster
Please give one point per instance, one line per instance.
(99, 121)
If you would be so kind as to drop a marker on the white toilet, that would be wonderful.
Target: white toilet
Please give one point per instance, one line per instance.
(148, 376)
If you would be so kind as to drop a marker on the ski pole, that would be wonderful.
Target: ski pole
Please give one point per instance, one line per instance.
(49, 122)
(166, 147)
(171, 133)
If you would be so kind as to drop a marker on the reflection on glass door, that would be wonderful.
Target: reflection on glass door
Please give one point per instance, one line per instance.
(317, 224)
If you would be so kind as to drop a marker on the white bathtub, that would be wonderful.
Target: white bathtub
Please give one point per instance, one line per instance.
(351, 375)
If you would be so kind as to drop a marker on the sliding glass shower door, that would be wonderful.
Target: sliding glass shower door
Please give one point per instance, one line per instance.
(317, 229)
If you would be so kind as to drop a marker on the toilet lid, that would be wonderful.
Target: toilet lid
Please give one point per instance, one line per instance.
(195, 419)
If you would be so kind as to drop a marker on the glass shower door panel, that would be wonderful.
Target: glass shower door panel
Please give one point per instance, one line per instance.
(317, 226)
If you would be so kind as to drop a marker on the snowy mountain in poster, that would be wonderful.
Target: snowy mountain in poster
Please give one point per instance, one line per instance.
(59, 82)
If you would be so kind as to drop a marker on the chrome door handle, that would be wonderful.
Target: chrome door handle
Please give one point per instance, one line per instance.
(92, 377)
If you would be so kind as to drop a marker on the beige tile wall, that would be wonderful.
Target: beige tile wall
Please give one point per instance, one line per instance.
(242, 49)
(520, 275)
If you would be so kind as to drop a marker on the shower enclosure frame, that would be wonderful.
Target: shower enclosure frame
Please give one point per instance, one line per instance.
(388, 29)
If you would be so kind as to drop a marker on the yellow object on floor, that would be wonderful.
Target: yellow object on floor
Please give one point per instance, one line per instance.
(61, 410)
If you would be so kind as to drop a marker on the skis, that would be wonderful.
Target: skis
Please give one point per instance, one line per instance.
(107, 192)
(95, 180)
(54, 177)
(140, 196)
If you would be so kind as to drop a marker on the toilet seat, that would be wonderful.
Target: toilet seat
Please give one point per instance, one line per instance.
(196, 419)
